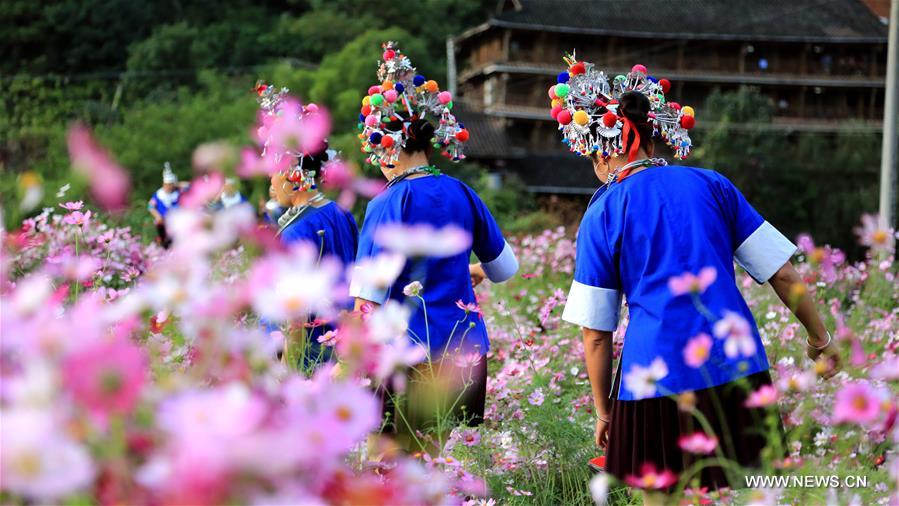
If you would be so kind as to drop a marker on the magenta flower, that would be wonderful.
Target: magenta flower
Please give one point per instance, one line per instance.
(202, 190)
(698, 443)
(329, 338)
(109, 183)
(72, 206)
(77, 218)
(857, 402)
(690, 283)
(766, 395)
(471, 307)
(651, 479)
(107, 376)
(697, 350)
(423, 240)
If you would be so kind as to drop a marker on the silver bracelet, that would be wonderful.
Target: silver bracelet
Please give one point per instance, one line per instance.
(602, 419)
(822, 348)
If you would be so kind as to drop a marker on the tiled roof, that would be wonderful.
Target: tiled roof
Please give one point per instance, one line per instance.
(801, 20)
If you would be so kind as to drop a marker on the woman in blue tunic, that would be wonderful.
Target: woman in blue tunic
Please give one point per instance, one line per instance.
(312, 218)
(163, 200)
(445, 319)
(688, 336)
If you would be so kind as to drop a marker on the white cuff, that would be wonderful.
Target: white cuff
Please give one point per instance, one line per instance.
(592, 307)
(764, 252)
(369, 293)
(502, 267)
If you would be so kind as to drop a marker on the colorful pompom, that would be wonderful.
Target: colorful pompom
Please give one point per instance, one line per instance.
(390, 96)
(555, 111)
(371, 120)
(445, 97)
(374, 89)
(386, 141)
(552, 92)
(581, 118)
(432, 86)
(462, 135)
(687, 111)
(577, 68)
(377, 99)
(418, 80)
(665, 84)
(561, 90)
(389, 54)
(375, 138)
(366, 101)
(563, 77)
(609, 119)
(639, 68)
(687, 122)
(564, 117)
(674, 105)
(399, 87)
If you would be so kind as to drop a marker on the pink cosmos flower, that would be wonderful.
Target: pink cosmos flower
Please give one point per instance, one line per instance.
(106, 376)
(329, 338)
(857, 402)
(690, 283)
(72, 206)
(766, 395)
(471, 307)
(651, 479)
(471, 437)
(888, 369)
(202, 190)
(737, 333)
(77, 218)
(698, 443)
(875, 234)
(697, 350)
(467, 360)
(109, 183)
(536, 397)
(423, 240)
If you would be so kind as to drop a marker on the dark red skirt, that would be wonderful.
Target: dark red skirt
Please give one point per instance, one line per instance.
(648, 430)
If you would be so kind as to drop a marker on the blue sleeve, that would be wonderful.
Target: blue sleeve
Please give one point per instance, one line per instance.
(758, 247)
(496, 255)
(594, 300)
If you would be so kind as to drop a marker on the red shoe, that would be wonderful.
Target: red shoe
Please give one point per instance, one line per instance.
(598, 464)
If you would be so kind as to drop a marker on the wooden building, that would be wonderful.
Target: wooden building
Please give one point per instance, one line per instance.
(820, 62)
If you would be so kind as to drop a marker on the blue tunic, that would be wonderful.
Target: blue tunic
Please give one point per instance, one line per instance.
(159, 203)
(439, 201)
(333, 230)
(659, 223)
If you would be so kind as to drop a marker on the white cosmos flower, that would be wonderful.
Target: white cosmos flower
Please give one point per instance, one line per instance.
(423, 240)
(641, 381)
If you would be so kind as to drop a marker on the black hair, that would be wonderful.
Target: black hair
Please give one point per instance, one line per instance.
(634, 106)
(419, 135)
(313, 162)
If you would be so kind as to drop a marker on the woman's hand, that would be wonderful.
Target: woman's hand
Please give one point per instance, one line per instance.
(602, 432)
(827, 360)
(477, 274)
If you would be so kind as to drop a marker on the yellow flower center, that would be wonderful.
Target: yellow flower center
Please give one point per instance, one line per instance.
(344, 414)
(27, 464)
(879, 237)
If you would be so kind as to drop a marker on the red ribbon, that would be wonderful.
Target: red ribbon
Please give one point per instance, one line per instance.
(635, 145)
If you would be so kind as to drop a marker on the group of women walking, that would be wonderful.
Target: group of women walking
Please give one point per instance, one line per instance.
(647, 224)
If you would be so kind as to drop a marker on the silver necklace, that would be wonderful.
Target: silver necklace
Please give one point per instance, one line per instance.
(646, 162)
(421, 169)
(294, 212)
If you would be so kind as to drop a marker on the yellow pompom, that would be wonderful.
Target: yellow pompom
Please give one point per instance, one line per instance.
(556, 103)
(366, 101)
(688, 111)
(581, 118)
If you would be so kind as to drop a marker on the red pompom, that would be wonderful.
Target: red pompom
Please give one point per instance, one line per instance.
(609, 119)
(555, 111)
(564, 117)
(552, 92)
(665, 84)
(577, 68)
(687, 122)
(639, 68)
(366, 110)
(674, 105)
(462, 135)
(386, 141)
(389, 54)
(374, 89)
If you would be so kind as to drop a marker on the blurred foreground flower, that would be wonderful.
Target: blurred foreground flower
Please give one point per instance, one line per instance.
(423, 240)
(109, 183)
